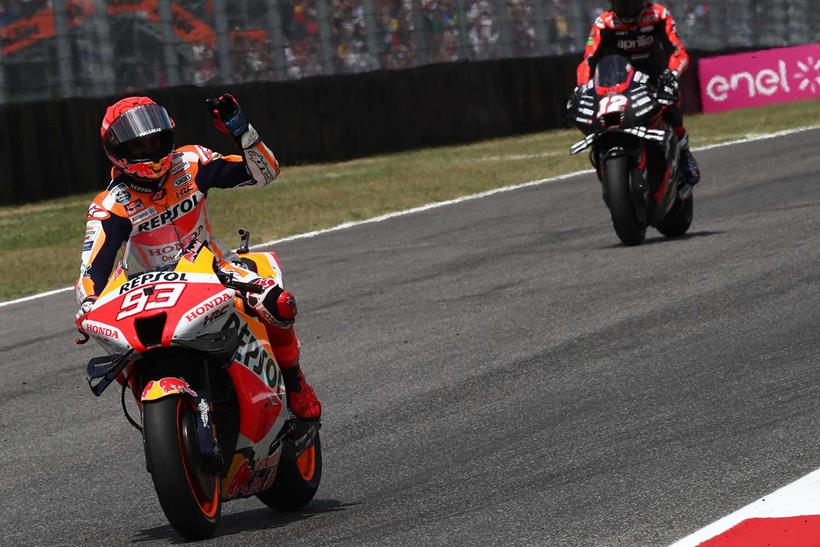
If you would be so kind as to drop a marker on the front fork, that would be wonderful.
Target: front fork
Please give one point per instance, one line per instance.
(206, 437)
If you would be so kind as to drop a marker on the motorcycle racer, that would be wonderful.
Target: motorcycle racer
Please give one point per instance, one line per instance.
(646, 33)
(155, 206)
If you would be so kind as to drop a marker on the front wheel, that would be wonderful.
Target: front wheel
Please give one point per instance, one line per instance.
(190, 496)
(619, 198)
(679, 219)
(296, 480)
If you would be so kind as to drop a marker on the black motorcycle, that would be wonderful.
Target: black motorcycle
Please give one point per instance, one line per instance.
(634, 151)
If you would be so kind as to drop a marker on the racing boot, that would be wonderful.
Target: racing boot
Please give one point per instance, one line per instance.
(688, 164)
(302, 399)
(276, 308)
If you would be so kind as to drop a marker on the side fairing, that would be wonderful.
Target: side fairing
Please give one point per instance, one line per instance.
(260, 393)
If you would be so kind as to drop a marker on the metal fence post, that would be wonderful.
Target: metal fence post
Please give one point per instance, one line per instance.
(223, 46)
(169, 42)
(3, 91)
(540, 27)
(106, 84)
(577, 26)
(463, 38)
(504, 15)
(64, 64)
(328, 66)
(372, 31)
(277, 39)
(421, 37)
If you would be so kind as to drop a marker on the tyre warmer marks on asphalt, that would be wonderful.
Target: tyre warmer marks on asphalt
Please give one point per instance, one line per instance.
(789, 517)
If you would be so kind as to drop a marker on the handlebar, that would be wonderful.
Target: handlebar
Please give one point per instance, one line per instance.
(228, 280)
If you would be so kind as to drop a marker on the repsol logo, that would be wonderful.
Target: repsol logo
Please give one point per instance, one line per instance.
(152, 277)
(641, 42)
(169, 215)
(251, 354)
(208, 306)
(102, 331)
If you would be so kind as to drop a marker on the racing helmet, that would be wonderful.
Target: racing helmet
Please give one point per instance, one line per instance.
(138, 137)
(628, 11)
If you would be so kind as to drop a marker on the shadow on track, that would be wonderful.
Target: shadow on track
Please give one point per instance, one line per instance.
(664, 239)
(255, 519)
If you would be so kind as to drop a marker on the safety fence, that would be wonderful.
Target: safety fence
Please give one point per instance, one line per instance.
(53, 49)
(52, 148)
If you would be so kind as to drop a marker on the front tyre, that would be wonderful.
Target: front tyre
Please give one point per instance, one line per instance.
(190, 497)
(296, 480)
(619, 197)
(679, 219)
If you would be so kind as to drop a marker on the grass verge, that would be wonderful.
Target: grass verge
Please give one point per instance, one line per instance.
(40, 243)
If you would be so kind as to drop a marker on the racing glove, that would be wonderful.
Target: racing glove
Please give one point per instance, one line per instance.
(668, 87)
(227, 115)
(79, 317)
(275, 306)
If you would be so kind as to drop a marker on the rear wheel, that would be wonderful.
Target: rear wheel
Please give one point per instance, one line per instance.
(296, 480)
(190, 497)
(619, 197)
(679, 219)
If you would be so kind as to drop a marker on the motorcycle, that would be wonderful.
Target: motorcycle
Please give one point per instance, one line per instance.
(635, 153)
(212, 401)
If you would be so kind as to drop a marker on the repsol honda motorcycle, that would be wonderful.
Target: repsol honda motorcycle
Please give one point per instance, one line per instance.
(634, 151)
(212, 401)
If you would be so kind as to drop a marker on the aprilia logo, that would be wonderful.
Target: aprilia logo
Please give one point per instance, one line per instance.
(641, 42)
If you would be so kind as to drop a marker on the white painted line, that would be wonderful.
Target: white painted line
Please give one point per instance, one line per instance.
(34, 297)
(435, 205)
(799, 498)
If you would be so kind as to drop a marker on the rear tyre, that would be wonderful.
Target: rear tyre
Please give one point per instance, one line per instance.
(616, 180)
(189, 496)
(679, 219)
(296, 480)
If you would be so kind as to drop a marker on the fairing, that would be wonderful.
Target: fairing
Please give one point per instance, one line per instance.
(194, 309)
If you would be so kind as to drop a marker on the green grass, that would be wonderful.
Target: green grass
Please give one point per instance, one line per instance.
(40, 243)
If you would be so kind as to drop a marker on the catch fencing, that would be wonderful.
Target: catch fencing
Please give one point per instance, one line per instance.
(52, 49)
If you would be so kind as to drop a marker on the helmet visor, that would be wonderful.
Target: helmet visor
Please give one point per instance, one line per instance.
(628, 9)
(145, 132)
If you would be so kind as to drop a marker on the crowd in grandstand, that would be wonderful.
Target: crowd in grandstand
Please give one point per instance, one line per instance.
(315, 37)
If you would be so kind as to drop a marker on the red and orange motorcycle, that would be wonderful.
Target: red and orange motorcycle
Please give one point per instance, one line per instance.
(212, 402)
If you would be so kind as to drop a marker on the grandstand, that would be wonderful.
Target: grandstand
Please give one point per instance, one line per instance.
(51, 49)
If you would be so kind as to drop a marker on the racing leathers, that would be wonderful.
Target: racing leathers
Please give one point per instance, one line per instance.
(652, 45)
(155, 224)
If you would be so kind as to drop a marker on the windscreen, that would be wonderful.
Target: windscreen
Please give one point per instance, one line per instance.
(612, 71)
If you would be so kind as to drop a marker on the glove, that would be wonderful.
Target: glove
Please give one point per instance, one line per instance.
(79, 317)
(275, 305)
(227, 116)
(572, 103)
(668, 87)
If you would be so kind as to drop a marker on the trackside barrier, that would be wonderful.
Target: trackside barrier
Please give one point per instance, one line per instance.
(759, 78)
(50, 149)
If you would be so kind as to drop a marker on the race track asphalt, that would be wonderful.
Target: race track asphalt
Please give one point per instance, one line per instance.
(499, 371)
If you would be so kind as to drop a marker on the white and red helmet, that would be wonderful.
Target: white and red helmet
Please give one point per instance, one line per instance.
(138, 137)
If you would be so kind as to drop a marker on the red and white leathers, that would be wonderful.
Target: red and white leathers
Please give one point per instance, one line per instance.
(155, 224)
